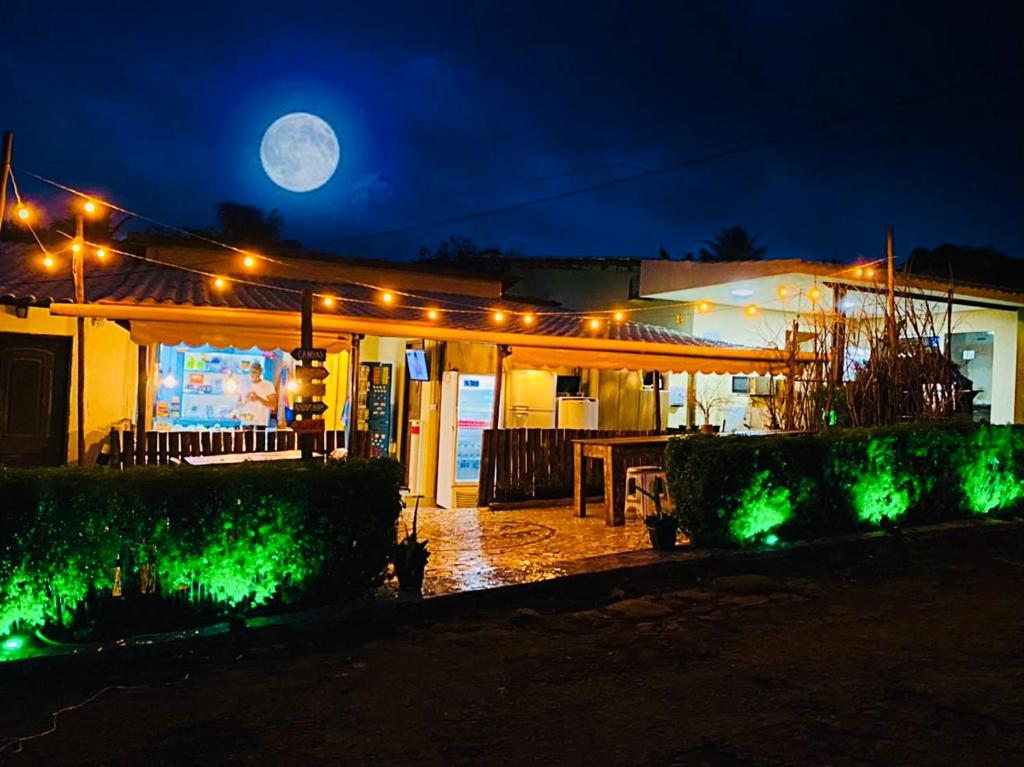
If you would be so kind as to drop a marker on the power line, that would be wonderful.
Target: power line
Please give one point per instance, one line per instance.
(620, 180)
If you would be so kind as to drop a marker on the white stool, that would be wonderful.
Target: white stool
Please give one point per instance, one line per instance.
(639, 505)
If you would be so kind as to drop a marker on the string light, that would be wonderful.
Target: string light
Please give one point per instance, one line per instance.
(869, 272)
(101, 253)
(619, 316)
(528, 319)
(23, 212)
(432, 314)
(751, 310)
(859, 272)
(249, 262)
(76, 246)
(48, 261)
(783, 291)
(703, 307)
(328, 301)
(292, 385)
(595, 324)
(814, 293)
(498, 316)
(219, 283)
(387, 297)
(89, 207)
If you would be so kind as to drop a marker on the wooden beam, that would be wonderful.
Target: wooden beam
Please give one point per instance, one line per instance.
(499, 377)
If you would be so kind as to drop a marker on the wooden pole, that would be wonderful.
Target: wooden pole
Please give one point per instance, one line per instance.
(5, 173)
(78, 275)
(499, 375)
(657, 400)
(890, 287)
(353, 394)
(788, 419)
(838, 335)
(691, 400)
(306, 342)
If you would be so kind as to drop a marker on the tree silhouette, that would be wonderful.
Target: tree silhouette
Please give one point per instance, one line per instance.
(456, 249)
(966, 263)
(248, 225)
(732, 243)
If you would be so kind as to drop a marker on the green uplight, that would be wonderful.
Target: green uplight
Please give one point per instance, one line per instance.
(762, 508)
(771, 539)
(13, 644)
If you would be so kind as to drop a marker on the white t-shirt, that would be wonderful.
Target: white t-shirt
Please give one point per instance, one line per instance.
(260, 413)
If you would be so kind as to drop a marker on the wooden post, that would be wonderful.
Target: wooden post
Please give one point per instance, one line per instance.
(691, 400)
(499, 375)
(788, 419)
(838, 335)
(78, 275)
(657, 400)
(5, 174)
(890, 315)
(353, 394)
(142, 388)
(306, 342)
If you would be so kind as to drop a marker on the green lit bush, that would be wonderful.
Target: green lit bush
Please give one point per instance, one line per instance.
(740, 490)
(188, 544)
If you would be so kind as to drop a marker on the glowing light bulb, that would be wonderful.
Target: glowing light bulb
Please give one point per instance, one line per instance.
(13, 644)
(89, 206)
(292, 386)
(858, 272)
(48, 262)
(76, 246)
(528, 319)
(432, 314)
(595, 324)
(387, 297)
(249, 262)
(328, 301)
(24, 213)
(619, 316)
(783, 291)
(499, 316)
(869, 272)
(169, 381)
(751, 310)
(814, 293)
(219, 283)
(230, 385)
(771, 539)
(703, 306)
(101, 253)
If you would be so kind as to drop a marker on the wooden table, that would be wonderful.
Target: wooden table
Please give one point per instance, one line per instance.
(617, 454)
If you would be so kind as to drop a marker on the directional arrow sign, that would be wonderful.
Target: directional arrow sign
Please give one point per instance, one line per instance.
(311, 374)
(309, 354)
(309, 426)
(309, 408)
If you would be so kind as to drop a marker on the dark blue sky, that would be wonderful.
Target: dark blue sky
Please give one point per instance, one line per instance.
(443, 109)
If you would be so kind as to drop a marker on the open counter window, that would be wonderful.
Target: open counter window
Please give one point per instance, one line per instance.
(203, 387)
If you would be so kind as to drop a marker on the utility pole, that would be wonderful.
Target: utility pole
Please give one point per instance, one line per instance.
(890, 289)
(78, 275)
(5, 174)
(306, 335)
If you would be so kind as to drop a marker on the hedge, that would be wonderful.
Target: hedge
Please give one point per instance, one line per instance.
(738, 490)
(86, 553)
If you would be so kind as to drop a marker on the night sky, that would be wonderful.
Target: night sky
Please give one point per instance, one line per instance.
(446, 109)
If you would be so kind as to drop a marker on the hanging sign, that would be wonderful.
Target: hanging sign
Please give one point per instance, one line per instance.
(309, 354)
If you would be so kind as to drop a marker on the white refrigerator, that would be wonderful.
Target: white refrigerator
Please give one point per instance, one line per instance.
(467, 404)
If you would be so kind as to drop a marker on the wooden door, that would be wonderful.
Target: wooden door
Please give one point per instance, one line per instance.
(35, 374)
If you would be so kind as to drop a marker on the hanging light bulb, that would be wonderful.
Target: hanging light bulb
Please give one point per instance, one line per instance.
(498, 316)
(869, 272)
(595, 324)
(48, 261)
(619, 316)
(858, 272)
(292, 385)
(89, 207)
(814, 293)
(23, 212)
(101, 253)
(328, 301)
(751, 310)
(432, 314)
(219, 283)
(249, 262)
(783, 291)
(703, 306)
(76, 246)
(528, 319)
(387, 297)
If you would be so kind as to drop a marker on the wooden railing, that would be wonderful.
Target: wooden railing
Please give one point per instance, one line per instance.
(129, 448)
(536, 464)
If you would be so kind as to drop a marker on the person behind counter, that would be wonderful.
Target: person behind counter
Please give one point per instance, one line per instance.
(260, 397)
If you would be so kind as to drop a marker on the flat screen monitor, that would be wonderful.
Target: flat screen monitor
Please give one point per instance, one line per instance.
(740, 384)
(416, 362)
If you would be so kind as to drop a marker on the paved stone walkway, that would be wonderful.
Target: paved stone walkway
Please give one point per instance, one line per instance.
(478, 548)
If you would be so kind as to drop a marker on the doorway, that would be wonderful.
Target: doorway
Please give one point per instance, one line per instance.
(35, 376)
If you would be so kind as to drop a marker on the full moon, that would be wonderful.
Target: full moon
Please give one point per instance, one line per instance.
(299, 152)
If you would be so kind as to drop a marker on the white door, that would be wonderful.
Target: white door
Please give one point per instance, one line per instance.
(446, 439)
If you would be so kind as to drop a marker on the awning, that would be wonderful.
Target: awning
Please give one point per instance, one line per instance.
(240, 337)
(531, 358)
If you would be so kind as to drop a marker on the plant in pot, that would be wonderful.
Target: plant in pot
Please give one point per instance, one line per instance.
(409, 557)
(661, 526)
(708, 403)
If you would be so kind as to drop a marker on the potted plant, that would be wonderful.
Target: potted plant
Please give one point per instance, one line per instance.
(409, 558)
(661, 526)
(706, 404)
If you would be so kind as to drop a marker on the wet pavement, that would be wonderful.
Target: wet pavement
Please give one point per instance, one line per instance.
(478, 548)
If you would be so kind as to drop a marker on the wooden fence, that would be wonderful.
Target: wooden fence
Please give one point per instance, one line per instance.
(129, 448)
(537, 464)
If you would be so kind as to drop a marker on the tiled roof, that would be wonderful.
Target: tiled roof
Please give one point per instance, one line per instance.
(124, 280)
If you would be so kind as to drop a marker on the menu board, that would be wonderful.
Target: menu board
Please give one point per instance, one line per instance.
(375, 405)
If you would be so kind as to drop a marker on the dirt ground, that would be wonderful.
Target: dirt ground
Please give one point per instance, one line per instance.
(904, 653)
